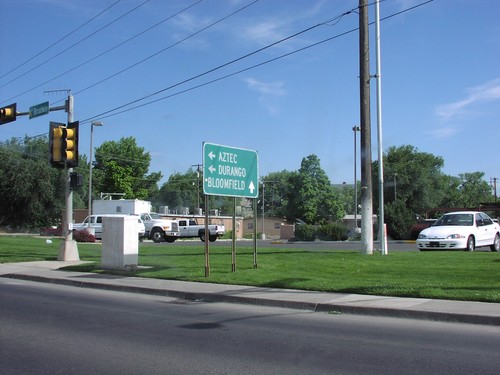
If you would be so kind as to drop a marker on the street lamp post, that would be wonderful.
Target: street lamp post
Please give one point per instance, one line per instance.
(355, 129)
(94, 123)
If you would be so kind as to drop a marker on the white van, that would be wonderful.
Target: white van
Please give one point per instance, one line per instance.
(96, 224)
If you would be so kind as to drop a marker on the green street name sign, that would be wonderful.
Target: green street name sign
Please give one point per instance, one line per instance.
(39, 110)
(230, 171)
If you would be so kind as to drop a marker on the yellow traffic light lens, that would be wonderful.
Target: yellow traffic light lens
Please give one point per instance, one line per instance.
(8, 113)
(56, 154)
(58, 133)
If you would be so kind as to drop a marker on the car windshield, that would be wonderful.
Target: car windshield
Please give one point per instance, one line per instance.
(456, 219)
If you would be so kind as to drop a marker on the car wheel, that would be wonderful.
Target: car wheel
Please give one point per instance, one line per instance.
(157, 235)
(470, 244)
(202, 236)
(212, 238)
(496, 243)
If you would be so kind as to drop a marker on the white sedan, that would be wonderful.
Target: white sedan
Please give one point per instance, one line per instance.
(461, 230)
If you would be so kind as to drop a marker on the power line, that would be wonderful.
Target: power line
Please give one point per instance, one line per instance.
(59, 40)
(223, 66)
(107, 51)
(167, 48)
(75, 44)
(109, 113)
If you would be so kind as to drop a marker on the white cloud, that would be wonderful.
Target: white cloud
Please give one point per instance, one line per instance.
(266, 88)
(441, 133)
(277, 26)
(489, 91)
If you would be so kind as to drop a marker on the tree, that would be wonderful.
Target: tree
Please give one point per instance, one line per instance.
(186, 190)
(122, 167)
(474, 190)
(181, 190)
(31, 192)
(312, 197)
(277, 190)
(413, 177)
(414, 183)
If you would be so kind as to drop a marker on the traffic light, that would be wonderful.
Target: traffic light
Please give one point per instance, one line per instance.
(56, 139)
(63, 143)
(71, 145)
(8, 113)
(75, 180)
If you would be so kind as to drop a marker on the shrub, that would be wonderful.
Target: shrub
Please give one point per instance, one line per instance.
(333, 232)
(83, 236)
(305, 232)
(415, 229)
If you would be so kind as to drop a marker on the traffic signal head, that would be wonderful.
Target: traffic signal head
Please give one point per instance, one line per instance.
(8, 113)
(71, 145)
(63, 143)
(56, 139)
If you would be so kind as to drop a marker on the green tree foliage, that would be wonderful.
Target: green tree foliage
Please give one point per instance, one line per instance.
(312, 197)
(414, 184)
(181, 190)
(277, 191)
(122, 167)
(474, 190)
(399, 219)
(185, 190)
(31, 192)
(413, 177)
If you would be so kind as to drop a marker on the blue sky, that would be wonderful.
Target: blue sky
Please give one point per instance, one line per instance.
(440, 77)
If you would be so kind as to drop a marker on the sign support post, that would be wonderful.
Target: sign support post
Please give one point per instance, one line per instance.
(232, 172)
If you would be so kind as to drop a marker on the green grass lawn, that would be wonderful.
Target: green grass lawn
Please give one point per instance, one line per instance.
(448, 275)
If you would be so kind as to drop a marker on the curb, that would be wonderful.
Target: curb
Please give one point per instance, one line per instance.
(331, 308)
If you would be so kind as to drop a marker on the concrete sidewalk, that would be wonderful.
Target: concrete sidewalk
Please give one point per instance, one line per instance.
(416, 308)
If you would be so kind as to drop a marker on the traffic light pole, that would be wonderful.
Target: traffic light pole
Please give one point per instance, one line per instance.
(68, 251)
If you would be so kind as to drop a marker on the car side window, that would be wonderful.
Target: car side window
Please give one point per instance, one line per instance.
(182, 223)
(486, 220)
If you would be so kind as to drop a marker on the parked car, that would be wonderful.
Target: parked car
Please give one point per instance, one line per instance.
(96, 224)
(464, 230)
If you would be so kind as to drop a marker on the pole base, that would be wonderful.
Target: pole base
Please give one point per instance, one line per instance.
(68, 251)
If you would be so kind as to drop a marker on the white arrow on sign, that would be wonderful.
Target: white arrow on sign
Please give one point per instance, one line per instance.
(211, 155)
(251, 187)
(212, 169)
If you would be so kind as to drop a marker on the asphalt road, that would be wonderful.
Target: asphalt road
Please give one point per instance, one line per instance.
(51, 329)
(316, 245)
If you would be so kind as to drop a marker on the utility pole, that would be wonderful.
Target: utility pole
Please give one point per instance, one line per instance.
(381, 216)
(68, 251)
(365, 125)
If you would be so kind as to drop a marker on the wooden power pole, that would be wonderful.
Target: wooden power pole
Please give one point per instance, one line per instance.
(366, 150)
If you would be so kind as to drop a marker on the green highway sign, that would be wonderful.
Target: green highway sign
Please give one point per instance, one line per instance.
(39, 110)
(230, 171)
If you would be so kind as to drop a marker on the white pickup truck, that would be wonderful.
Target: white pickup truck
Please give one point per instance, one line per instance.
(190, 228)
(159, 229)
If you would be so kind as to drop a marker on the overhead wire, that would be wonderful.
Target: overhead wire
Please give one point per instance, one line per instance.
(223, 66)
(59, 40)
(121, 109)
(168, 47)
(107, 51)
(75, 44)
